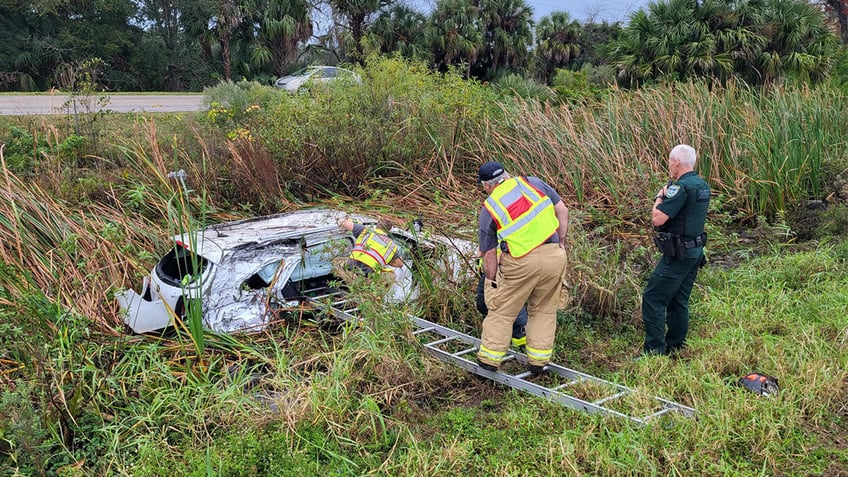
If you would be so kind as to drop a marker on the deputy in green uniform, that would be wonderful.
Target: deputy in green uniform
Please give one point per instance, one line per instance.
(678, 215)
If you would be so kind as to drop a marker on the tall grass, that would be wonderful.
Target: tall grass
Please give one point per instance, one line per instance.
(406, 132)
(76, 254)
(762, 150)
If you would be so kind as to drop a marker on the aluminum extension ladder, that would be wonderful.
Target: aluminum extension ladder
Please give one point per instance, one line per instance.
(559, 384)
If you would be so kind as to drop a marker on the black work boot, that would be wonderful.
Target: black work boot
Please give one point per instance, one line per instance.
(487, 366)
(536, 369)
(678, 352)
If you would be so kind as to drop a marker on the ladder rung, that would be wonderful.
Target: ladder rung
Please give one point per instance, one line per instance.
(522, 375)
(423, 330)
(441, 341)
(610, 398)
(658, 413)
(463, 352)
(565, 385)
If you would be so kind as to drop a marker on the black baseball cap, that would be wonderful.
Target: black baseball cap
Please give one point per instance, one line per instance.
(489, 171)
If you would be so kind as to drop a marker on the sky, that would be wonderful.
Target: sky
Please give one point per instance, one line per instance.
(581, 10)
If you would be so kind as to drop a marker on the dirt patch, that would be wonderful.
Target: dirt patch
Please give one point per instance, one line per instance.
(806, 219)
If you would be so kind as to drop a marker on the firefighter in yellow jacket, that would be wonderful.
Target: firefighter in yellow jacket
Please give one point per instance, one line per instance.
(373, 252)
(526, 218)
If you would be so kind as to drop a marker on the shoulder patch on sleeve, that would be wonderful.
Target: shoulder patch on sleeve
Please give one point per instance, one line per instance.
(672, 190)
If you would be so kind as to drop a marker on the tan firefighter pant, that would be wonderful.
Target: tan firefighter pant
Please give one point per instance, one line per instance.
(535, 279)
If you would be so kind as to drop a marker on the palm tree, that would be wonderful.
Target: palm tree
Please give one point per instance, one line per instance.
(196, 24)
(358, 14)
(799, 43)
(401, 29)
(557, 43)
(759, 40)
(454, 34)
(229, 18)
(508, 34)
(30, 50)
(633, 60)
(282, 26)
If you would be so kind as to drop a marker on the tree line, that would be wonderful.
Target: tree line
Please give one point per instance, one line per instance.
(186, 45)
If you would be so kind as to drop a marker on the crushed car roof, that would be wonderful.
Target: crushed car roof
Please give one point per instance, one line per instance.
(216, 241)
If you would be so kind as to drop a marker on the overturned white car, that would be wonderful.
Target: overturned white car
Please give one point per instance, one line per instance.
(238, 272)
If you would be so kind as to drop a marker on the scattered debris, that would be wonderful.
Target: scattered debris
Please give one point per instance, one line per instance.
(758, 383)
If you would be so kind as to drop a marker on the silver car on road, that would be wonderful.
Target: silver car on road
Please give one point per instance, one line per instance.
(316, 75)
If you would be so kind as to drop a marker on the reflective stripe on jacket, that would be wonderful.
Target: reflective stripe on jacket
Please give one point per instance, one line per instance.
(374, 248)
(523, 215)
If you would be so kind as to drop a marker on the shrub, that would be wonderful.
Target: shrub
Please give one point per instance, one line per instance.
(231, 104)
(24, 433)
(591, 82)
(21, 149)
(401, 123)
(524, 88)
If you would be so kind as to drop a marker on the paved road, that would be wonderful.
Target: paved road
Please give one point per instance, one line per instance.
(35, 104)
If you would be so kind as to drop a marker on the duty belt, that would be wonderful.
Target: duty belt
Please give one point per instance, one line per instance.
(698, 241)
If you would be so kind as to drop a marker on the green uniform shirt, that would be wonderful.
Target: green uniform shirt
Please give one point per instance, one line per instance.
(686, 203)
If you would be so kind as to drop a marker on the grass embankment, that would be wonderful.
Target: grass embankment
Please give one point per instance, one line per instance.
(368, 401)
(83, 398)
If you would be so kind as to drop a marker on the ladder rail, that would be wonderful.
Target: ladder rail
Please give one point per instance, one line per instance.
(550, 368)
(529, 386)
(555, 394)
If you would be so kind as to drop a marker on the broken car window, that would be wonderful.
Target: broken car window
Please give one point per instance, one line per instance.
(181, 267)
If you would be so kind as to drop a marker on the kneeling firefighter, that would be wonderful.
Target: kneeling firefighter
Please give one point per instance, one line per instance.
(374, 252)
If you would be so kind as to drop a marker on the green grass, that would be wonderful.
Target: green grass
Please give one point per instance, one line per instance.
(78, 396)
(368, 401)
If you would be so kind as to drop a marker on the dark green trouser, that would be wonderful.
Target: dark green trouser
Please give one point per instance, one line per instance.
(666, 302)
